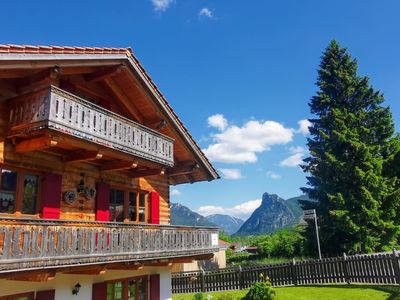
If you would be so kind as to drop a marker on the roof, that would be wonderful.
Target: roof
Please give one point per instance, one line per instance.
(223, 243)
(50, 50)
(8, 48)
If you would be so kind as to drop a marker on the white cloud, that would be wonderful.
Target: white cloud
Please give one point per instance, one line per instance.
(236, 144)
(292, 161)
(218, 121)
(242, 211)
(232, 174)
(161, 5)
(297, 149)
(273, 175)
(206, 12)
(303, 127)
(175, 192)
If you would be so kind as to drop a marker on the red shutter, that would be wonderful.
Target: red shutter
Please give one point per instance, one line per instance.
(154, 208)
(99, 291)
(52, 196)
(103, 202)
(45, 295)
(155, 286)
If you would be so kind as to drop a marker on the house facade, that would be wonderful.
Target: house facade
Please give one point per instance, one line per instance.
(89, 148)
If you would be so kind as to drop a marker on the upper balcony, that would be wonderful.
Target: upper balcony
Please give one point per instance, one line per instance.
(29, 244)
(57, 110)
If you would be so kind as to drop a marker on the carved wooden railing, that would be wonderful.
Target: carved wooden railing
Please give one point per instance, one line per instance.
(59, 110)
(28, 244)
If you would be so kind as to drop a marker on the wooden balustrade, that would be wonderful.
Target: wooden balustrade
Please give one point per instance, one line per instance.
(29, 244)
(376, 268)
(62, 111)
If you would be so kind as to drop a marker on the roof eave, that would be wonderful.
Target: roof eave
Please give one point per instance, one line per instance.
(139, 70)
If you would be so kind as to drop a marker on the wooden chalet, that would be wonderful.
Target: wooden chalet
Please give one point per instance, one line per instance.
(88, 150)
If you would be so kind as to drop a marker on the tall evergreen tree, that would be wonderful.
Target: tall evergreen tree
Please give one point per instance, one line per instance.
(351, 143)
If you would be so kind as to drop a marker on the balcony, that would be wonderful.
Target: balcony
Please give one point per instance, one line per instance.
(27, 244)
(68, 114)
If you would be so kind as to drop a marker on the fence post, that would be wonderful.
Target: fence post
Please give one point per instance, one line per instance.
(240, 279)
(202, 283)
(396, 267)
(345, 269)
(293, 271)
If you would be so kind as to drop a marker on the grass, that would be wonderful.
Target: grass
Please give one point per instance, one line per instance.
(319, 292)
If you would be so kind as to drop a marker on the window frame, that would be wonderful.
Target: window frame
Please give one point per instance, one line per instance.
(138, 192)
(19, 191)
(125, 285)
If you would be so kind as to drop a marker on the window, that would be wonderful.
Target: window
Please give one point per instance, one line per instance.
(30, 194)
(19, 191)
(117, 205)
(8, 189)
(137, 207)
(133, 209)
(128, 289)
(114, 290)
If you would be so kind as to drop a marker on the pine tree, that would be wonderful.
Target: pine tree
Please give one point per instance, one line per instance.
(351, 144)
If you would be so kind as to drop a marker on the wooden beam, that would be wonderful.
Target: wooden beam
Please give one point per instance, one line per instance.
(83, 156)
(148, 172)
(104, 73)
(41, 276)
(183, 260)
(126, 266)
(183, 170)
(119, 165)
(39, 79)
(204, 257)
(38, 143)
(126, 102)
(93, 270)
(7, 89)
(160, 263)
(88, 91)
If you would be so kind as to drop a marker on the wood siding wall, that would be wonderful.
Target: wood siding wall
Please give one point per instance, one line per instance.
(81, 209)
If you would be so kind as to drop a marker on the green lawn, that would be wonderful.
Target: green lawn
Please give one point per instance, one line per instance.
(321, 292)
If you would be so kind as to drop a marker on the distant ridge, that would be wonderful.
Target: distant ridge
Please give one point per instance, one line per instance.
(227, 223)
(181, 215)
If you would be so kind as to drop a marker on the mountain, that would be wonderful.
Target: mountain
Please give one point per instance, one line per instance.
(272, 214)
(294, 205)
(181, 215)
(227, 223)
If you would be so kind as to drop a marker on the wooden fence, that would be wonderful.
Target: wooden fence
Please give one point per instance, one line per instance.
(378, 268)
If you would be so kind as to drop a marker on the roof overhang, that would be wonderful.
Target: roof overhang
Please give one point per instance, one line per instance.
(41, 60)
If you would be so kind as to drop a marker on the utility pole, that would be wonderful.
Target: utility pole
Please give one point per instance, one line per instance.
(311, 214)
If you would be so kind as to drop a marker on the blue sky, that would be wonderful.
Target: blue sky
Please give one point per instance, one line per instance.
(249, 65)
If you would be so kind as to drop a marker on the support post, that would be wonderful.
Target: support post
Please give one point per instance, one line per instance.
(293, 271)
(345, 269)
(240, 278)
(396, 267)
(202, 283)
(316, 231)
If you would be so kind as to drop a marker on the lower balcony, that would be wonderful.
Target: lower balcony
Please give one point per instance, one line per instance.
(29, 245)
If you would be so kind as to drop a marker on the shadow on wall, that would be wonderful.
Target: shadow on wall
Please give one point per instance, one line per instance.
(208, 265)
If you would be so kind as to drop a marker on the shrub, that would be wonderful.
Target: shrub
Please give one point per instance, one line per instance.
(261, 291)
(284, 243)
